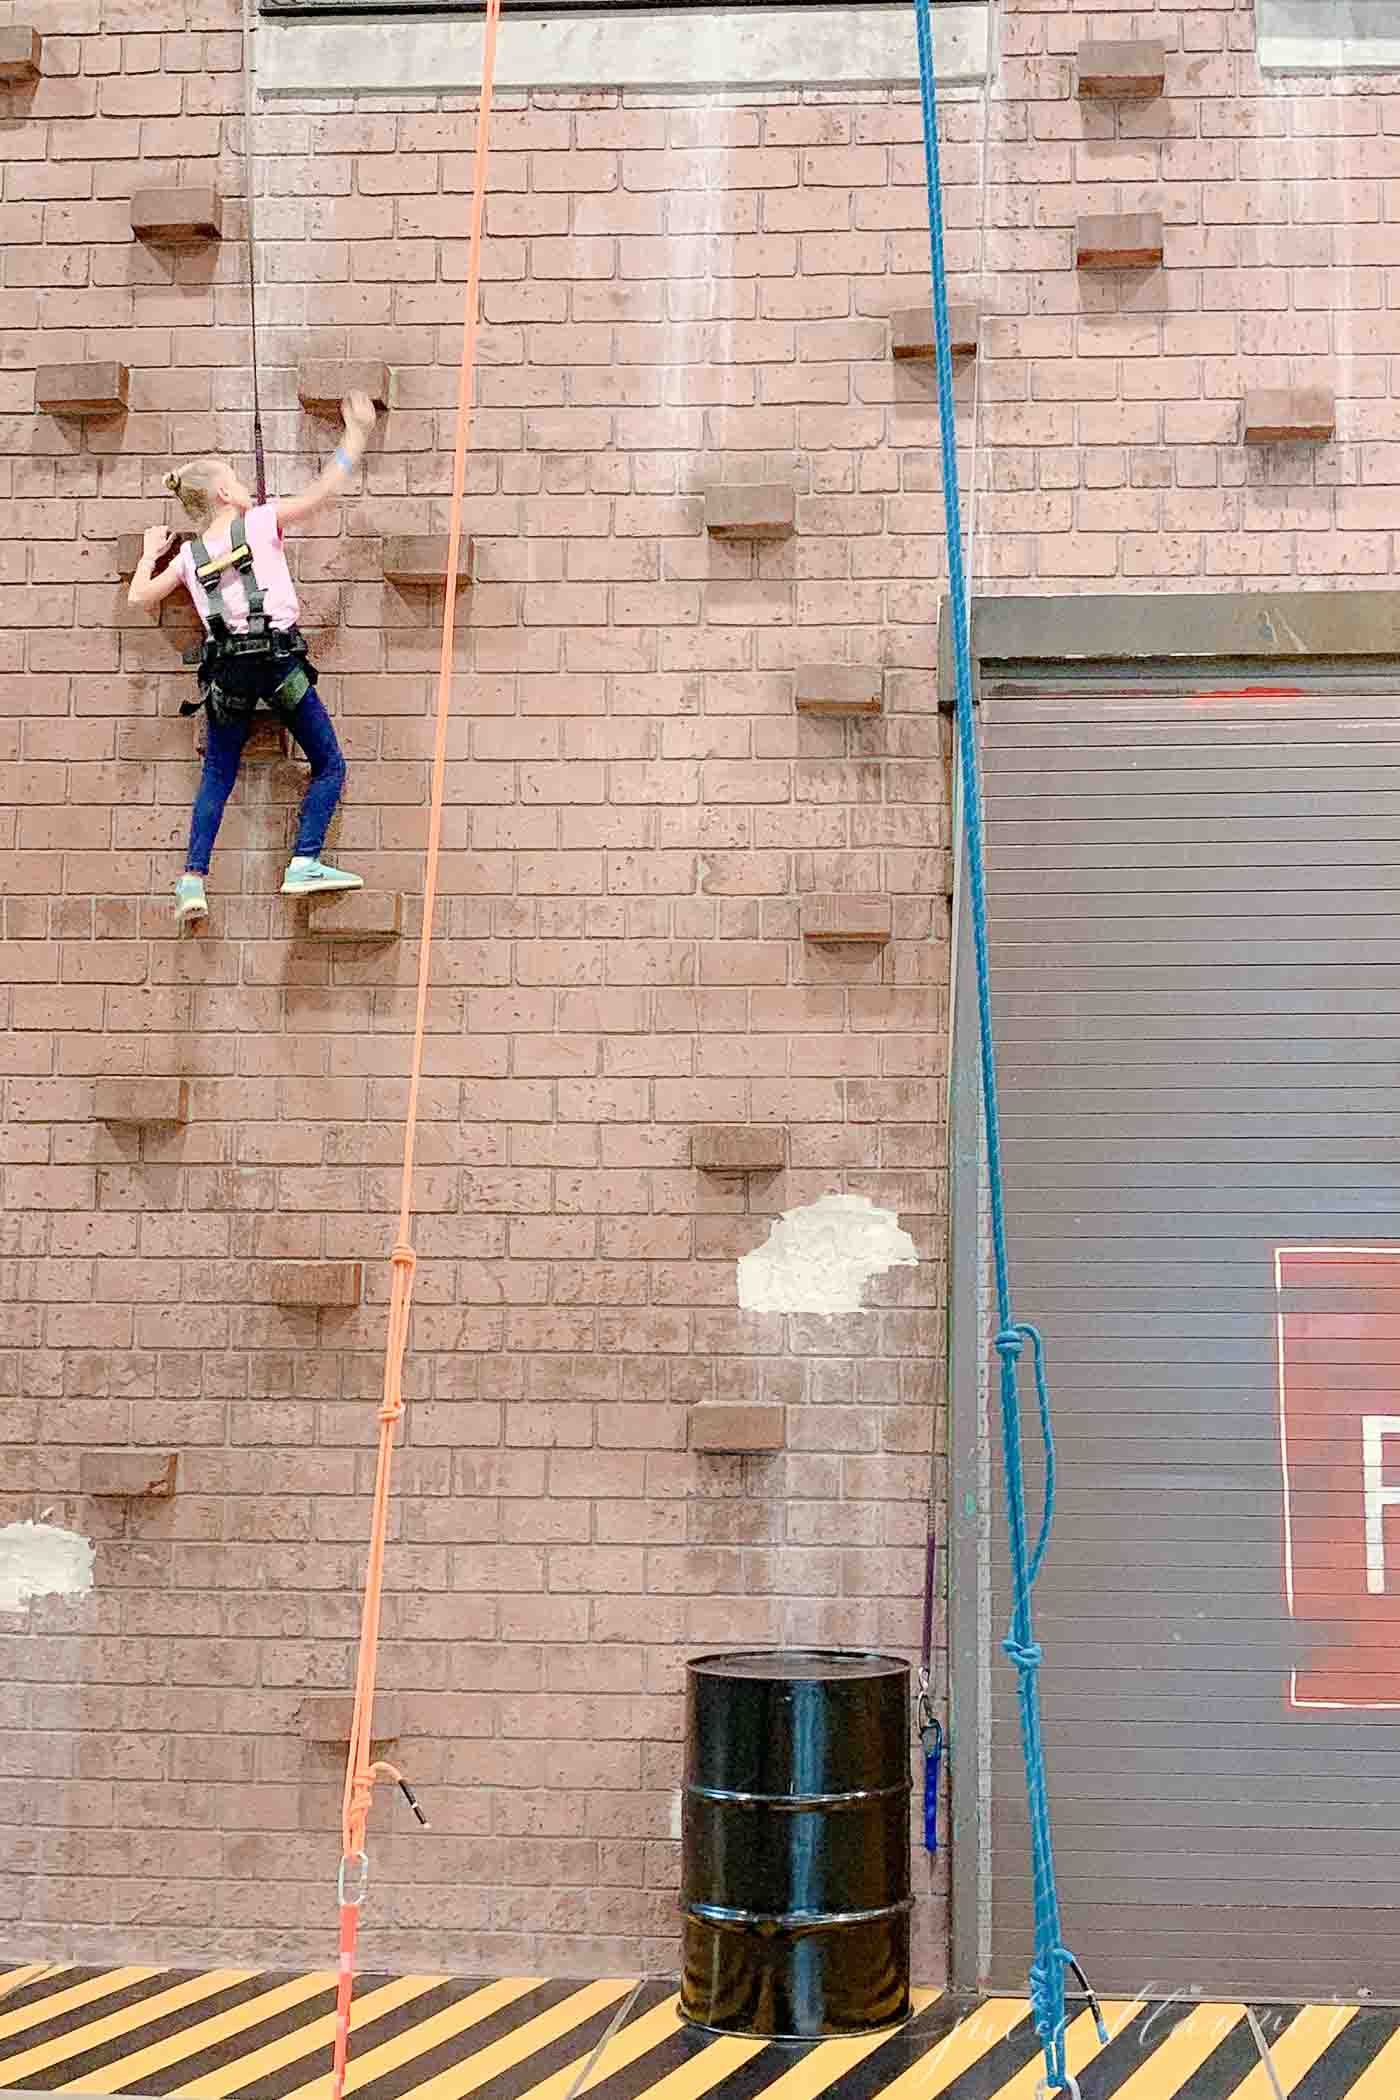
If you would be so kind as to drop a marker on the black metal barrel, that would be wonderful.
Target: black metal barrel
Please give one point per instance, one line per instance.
(795, 1879)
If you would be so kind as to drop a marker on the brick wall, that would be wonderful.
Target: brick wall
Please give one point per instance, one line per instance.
(676, 293)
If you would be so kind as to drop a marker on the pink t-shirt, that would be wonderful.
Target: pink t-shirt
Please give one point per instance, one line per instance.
(269, 566)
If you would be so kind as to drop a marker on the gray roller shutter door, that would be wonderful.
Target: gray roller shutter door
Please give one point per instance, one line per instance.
(1196, 951)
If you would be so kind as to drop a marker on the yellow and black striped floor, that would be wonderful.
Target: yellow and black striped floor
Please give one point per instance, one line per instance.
(236, 2034)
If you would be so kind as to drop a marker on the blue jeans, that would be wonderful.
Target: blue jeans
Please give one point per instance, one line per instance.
(313, 730)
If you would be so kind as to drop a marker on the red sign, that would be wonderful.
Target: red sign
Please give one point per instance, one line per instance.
(1339, 1437)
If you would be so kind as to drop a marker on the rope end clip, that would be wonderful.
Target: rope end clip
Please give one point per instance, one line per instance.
(412, 1799)
(1092, 1997)
(382, 1770)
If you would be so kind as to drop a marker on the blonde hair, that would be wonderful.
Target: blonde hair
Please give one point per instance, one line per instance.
(195, 484)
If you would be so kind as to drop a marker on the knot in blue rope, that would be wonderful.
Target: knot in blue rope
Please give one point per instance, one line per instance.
(1047, 1996)
(1010, 1342)
(1025, 1654)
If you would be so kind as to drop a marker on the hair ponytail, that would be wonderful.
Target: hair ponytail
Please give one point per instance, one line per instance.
(196, 485)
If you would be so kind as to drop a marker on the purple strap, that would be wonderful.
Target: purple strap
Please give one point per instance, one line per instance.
(930, 1568)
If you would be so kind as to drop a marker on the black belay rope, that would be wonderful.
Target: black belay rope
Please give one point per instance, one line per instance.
(249, 183)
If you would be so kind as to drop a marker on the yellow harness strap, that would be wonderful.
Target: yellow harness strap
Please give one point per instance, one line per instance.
(240, 556)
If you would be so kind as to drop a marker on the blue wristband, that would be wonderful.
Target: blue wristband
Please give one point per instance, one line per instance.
(343, 459)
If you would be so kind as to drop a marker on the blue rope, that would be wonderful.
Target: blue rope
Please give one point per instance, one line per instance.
(1051, 1956)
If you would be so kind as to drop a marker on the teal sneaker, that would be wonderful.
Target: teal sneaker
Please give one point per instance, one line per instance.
(314, 878)
(191, 904)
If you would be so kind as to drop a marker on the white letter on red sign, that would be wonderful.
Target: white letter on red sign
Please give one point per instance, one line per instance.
(1379, 1498)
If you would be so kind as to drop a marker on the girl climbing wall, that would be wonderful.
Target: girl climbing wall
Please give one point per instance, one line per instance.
(254, 654)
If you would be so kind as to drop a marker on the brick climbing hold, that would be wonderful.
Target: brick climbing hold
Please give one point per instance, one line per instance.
(846, 915)
(738, 1148)
(323, 383)
(20, 51)
(176, 216)
(325, 1717)
(1120, 72)
(1275, 415)
(317, 1283)
(82, 390)
(141, 1100)
(421, 558)
(839, 689)
(731, 1426)
(1130, 240)
(759, 510)
(911, 332)
(355, 915)
(130, 1476)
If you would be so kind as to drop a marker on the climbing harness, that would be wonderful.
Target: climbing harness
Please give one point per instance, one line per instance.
(238, 670)
(930, 1727)
(362, 1772)
(1051, 1956)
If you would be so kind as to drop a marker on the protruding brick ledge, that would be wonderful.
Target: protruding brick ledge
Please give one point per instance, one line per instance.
(355, 915)
(1275, 415)
(842, 915)
(756, 510)
(141, 1100)
(421, 558)
(129, 1476)
(738, 1148)
(323, 383)
(839, 689)
(313, 1283)
(911, 332)
(20, 50)
(720, 1425)
(177, 216)
(1121, 72)
(1119, 241)
(82, 390)
(325, 1717)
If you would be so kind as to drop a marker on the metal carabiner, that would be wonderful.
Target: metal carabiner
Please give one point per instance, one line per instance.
(1046, 2091)
(360, 1862)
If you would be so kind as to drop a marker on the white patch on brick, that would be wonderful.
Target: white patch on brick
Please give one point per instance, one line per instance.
(753, 47)
(677, 1812)
(40, 1560)
(819, 1259)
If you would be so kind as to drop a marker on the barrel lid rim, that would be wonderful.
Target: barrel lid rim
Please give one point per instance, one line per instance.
(791, 1659)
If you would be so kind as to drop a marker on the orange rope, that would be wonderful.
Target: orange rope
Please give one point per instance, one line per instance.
(361, 1774)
